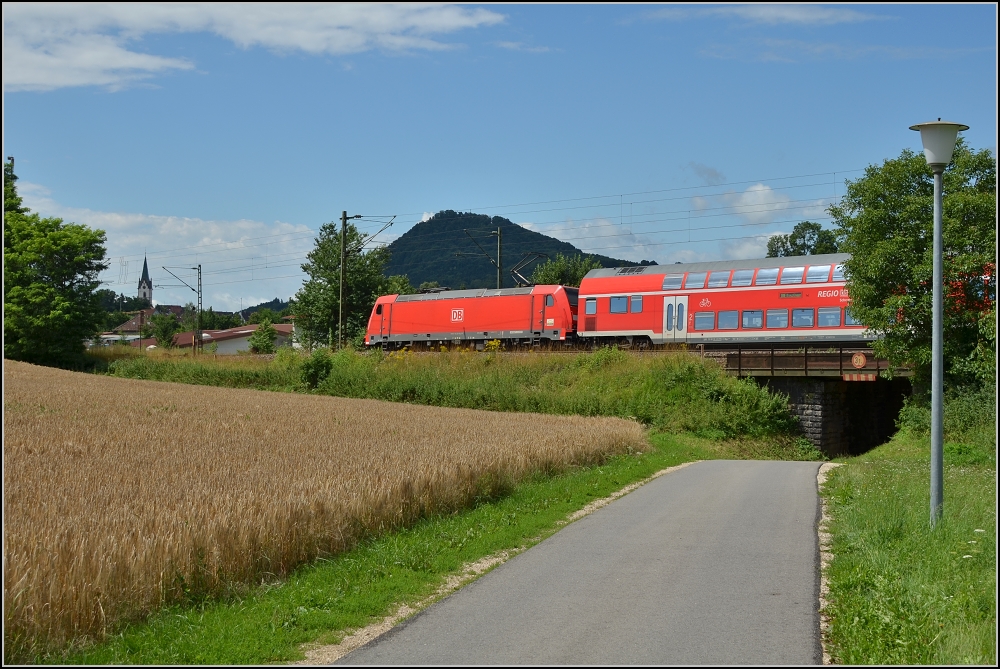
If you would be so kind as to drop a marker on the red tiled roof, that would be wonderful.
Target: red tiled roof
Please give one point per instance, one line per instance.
(183, 339)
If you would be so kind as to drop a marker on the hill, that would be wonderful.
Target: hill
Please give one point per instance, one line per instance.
(426, 252)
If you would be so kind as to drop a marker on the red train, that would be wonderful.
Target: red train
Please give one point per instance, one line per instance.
(459, 316)
(772, 300)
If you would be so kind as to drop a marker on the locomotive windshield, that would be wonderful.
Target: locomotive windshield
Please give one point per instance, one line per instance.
(573, 295)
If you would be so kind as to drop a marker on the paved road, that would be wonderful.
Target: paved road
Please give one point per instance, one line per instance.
(716, 563)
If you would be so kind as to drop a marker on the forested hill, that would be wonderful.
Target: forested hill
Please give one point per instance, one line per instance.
(427, 251)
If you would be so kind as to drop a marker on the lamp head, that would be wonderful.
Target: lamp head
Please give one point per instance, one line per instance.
(938, 138)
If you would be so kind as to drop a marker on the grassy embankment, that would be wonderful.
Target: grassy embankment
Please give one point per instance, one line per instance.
(669, 393)
(901, 593)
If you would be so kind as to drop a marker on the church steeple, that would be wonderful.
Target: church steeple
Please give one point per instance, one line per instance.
(145, 283)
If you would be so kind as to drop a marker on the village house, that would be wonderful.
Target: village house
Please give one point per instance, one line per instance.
(233, 340)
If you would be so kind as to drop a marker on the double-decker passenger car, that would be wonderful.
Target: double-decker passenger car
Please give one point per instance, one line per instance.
(512, 315)
(772, 300)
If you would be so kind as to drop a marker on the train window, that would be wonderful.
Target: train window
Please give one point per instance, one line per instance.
(792, 275)
(550, 301)
(742, 277)
(695, 280)
(680, 317)
(753, 319)
(378, 310)
(838, 273)
(672, 281)
(619, 305)
(767, 277)
(704, 320)
(718, 279)
(829, 317)
(636, 307)
(803, 318)
(573, 294)
(590, 306)
(668, 324)
(729, 320)
(849, 319)
(818, 274)
(777, 318)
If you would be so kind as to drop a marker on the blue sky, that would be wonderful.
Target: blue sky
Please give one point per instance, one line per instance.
(226, 135)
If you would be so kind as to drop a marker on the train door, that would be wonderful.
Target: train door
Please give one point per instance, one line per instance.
(675, 319)
(386, 315)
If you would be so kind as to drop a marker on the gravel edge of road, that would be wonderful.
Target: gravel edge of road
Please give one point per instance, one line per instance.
(354, 639)
(825, 556)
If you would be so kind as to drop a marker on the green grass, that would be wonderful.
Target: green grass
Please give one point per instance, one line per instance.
(901, 593)
(356, 588)
(671, 393)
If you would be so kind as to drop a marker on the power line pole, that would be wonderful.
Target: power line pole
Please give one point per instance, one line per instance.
(343, 261)
(198, 325)
(498, 263)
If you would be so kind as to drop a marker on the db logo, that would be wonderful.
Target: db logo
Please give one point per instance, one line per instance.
(859, 360)
(705, 302)
(457, 315)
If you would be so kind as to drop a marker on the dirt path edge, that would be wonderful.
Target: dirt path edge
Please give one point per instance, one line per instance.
(825, 556)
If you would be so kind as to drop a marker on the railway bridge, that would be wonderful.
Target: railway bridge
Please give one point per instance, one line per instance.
(843, 404)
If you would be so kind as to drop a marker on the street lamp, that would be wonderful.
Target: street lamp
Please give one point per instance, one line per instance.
(938, 138)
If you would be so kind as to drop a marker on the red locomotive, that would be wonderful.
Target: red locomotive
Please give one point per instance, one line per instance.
(514, 315)
(772, 300)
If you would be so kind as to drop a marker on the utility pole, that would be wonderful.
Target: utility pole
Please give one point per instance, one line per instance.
(498, 263)
(198, 326)
(340, 302)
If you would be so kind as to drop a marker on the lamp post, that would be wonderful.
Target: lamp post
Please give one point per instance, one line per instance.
(938, 138)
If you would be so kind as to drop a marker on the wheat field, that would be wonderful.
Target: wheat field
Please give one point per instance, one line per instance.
(121, 496)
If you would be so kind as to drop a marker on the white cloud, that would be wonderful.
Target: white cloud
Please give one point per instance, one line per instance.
(521, 46)
(244, 258)
(790, 51)
(799, 14)
(758, 205)
(49, 46)
(603, 237)
(769, 14)
(747, 247)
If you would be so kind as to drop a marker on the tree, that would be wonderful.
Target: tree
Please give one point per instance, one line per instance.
(262, 340)
(397, 285)
(263, 314)
(564, 270)
(886, 223)
(213, 320)
(49, 283)
(807, 239)
(163, 327)
(318, 301)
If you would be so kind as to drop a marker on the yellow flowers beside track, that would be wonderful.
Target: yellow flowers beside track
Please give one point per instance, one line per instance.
(124, 495)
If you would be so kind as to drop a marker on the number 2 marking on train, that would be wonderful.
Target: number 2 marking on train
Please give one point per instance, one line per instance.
(457, 315)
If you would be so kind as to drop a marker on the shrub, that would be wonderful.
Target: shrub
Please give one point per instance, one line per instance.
(316, 367)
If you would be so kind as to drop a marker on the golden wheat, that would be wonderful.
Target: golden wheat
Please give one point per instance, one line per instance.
(121, 496)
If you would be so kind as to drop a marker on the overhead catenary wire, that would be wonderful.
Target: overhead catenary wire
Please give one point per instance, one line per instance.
(596, 226)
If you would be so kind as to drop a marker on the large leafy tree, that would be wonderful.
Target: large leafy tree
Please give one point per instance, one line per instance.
(317, 302)
(886, 223)
(806, 239)
(49, 283)
(564, 270)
